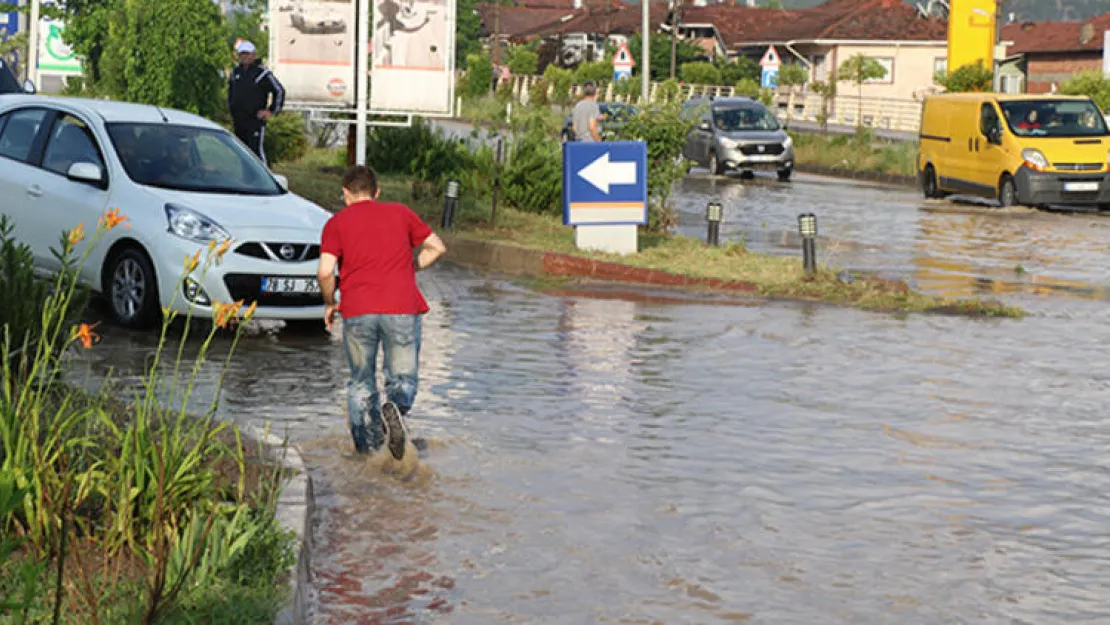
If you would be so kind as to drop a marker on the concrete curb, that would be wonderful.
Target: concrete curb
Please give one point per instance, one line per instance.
(864, 176)
(295, 506)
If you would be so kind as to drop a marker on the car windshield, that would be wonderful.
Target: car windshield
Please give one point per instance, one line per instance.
(744, 118)
(1054, 118)
(187, 158)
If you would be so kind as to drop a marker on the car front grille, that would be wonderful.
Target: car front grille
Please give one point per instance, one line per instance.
(282, 252)
(1078, 166)
(248, 287)
(773, 149)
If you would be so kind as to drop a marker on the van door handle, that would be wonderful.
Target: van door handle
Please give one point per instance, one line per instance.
(976, 144)
(35, 191)
(969, 144)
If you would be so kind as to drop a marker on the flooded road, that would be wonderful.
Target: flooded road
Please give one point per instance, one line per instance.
(623, 461)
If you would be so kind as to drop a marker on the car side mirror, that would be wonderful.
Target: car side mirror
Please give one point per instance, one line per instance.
(29, 86)
(87, 173)
(703, 125)
(282, 181)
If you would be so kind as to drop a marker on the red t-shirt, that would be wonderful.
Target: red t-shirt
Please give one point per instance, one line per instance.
(374, 243)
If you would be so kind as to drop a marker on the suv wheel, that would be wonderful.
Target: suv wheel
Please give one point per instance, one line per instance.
(131, 288)
(715, 166)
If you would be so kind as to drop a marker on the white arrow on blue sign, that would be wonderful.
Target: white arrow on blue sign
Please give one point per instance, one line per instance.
(605, 183)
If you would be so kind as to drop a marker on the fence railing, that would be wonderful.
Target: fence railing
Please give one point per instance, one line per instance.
(896, 114)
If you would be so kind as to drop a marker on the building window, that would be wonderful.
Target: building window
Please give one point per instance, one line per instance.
(940, 65)
(888, 64)
(1010, 83)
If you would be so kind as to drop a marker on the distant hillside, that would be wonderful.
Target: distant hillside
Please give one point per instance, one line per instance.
(1024, 10)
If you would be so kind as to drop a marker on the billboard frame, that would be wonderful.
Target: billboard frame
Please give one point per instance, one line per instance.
(449, 66)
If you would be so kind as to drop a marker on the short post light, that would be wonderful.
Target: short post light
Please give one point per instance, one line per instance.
(713, 213)
(450, 201)
(807, 228)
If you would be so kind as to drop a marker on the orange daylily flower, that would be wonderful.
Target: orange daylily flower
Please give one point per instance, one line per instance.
(85, 334)
(191, 262)
(223, 248)
(77, 235)
(226, 313)
(211, 245)
(111, 219)
(250, 311)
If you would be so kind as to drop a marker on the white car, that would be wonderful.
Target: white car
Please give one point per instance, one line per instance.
(182, 181)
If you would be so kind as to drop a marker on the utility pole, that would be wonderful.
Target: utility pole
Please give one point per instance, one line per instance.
(32, 60)
(996, 80)
(495, 54)
(676, 19)
(645, 52)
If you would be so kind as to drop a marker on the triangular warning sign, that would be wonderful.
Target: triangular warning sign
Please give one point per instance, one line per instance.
(770, 57)
(623, 57)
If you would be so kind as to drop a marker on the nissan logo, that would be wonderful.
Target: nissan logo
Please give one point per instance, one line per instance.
(762, 148)
(286, 251)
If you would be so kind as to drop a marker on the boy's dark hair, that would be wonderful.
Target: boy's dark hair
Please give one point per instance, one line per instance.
(360, 180)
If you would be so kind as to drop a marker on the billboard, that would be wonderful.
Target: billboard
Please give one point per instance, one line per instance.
(413, 61)
(312, 49)
(971, 33)
(54, 56)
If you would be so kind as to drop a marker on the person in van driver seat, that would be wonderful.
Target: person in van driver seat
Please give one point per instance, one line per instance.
(249, 92)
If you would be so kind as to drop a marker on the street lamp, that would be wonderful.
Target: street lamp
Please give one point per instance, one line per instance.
(713, 213)
(451, 199)
(807, 228)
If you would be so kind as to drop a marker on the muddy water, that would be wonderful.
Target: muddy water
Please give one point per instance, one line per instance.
(958, 248)
(623, 461)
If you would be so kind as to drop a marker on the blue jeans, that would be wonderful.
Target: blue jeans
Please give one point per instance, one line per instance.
(399, 337)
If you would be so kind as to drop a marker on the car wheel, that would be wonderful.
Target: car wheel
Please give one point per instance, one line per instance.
(131, 288)
(1007, 191)
(929, 184)
(784, 174)
(715, 167)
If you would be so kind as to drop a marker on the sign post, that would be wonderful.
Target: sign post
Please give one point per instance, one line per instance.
(605, 194)
(770, 64)
(622, 63)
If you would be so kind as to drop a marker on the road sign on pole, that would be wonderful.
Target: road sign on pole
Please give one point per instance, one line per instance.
(622, 63)
(769, 78)
(605, 193)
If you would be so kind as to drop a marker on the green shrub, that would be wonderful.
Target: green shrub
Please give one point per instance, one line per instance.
(1091, 84)
(601, 72)
(664, 129)
(537, 93)
(700, 73)
(479, 76)
(560, 80)
(668, 91)
(523, 61)
(286, 138)
(533, 181)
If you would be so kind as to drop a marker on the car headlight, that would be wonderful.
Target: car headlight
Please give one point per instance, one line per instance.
(189, 224)
(788, 142)
(1034, 159)
(727, 143)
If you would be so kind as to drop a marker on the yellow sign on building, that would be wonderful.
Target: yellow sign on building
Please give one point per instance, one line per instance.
(971, 33)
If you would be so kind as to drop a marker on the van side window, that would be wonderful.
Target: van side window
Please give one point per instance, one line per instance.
(988, 119)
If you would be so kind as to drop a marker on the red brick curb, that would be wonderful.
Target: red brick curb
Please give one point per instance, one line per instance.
(567, 265)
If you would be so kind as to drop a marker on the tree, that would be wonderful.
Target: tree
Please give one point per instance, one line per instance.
(523, 61)
(699, 73)
(859, 69)
(1091, 84)
(181, 70)
(792, 75)
(971, 77)
(468, 27)
(244, 21)
(661, 54)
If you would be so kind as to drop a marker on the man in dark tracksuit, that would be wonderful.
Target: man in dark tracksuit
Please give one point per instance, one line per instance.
(249, 92)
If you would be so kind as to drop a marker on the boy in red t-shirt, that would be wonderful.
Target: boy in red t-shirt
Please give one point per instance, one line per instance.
(371, 243)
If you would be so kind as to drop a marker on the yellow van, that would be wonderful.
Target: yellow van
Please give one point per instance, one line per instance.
(1032, 150)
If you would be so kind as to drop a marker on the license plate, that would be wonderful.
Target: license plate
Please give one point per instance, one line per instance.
(290, 285)
(763, 158)
(1081, 186)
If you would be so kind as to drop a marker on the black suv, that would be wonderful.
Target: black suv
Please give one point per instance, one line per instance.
(9, 83)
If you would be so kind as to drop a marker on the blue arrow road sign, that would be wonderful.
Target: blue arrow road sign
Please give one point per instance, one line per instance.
(605, 184)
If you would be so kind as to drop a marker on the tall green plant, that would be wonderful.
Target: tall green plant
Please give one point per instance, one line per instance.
(665, 129)
(974, 77)
(533, 180)
(858, 69)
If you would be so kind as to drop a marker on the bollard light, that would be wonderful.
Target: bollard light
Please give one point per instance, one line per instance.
(713, 213)
(807, 227)
(449, 202)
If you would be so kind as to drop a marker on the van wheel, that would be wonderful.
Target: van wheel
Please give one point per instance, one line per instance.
(1007, 192)
(929, 184)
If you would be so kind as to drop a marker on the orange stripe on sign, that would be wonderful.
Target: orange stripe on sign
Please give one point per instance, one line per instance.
(315, 62)
(575, 205)
(404, 67)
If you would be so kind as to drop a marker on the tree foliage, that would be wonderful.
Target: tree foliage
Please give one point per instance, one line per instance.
(182, 70)
(859, 69)
(699, 73)
(971, 77)
(661, 55)
(664, 128)
(1091, 84)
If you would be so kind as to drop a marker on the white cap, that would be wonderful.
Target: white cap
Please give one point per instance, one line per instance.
(245, 46)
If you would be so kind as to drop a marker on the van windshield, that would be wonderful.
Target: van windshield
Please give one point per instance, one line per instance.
(1054, 118)
(744, 118)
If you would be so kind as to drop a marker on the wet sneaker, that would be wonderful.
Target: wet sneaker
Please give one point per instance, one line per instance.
(394, 430)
